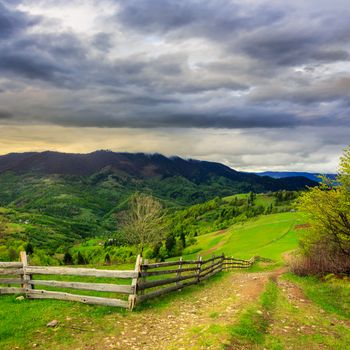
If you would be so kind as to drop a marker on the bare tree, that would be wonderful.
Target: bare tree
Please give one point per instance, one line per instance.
(144, 222)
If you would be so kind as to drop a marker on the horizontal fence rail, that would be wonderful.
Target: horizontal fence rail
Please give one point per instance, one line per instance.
(147, 280)
(27, 281)
(158, 279)
(37, 270)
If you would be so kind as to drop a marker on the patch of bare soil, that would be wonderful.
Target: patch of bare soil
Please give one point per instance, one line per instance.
(182, 324)
(301, 226)
(220, 232)
(215, 248)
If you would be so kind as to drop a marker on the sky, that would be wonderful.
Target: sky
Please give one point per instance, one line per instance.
(254, 84)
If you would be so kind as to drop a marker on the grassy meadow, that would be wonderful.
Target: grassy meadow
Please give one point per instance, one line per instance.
(268, 236)
(275, 317)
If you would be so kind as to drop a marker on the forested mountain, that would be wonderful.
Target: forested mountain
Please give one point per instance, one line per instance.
(92, 185)
(137, 166)
(55, 199)
(284, 174)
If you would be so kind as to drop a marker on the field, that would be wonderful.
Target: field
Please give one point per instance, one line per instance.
(268, 236)
(229, 310)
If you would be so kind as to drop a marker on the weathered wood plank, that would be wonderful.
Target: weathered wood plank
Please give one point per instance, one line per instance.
(26, 277)
(237, 264)
(170, 263)
(38, 270)
(152, 284)
(10, 264)
(163, 291)
(11, 281)
(44, 294)
(166, 272)
(210, 266)
(11, 271)
(134, 284)
(180, 269)
(12, 290)
(199, 267)
(211, 274)
(236, 260)
(216, 268)
(99, 287)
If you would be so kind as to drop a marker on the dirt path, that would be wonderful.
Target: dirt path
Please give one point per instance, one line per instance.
(299, 318)
(197, 321)
(201, 319)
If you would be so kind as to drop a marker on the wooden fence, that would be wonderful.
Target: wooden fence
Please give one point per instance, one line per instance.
(146, 281)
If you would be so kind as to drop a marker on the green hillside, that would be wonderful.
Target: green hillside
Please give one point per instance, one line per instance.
(89, 227)
(268, 236)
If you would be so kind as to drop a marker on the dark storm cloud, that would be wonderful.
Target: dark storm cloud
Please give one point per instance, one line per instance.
(34, 56)
(12, 22)
(30, 66)
(213, 18)
(142, 113)
(176, 121)
(146, 100)
(241, 75)
(102, 41)
(292, 46)
(322, 90)
(262, 32)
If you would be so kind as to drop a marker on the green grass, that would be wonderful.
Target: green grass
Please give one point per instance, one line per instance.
(252, 326)
(186, 294)
(268, 236)
(298, 324)
(23, 323)
(332, 295)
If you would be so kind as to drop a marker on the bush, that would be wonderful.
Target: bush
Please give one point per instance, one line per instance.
(325, 246)
(316, 263)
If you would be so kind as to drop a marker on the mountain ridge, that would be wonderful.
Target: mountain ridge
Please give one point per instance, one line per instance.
(285, 174)
(138, 165)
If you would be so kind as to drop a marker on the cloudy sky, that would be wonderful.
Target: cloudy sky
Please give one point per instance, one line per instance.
(255, 84)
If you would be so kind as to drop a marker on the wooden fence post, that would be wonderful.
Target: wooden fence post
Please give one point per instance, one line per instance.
(222, 261)
(133, 297)
(26, 277)
(199, 266)
(143, 279)
(179, 271)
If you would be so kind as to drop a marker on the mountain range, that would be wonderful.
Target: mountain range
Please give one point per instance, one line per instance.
(54, 199)
(284, 174)
(140, 166)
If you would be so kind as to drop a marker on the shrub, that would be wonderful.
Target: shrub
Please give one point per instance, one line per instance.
(325, 246)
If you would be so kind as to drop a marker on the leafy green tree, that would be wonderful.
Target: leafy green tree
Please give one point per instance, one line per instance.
(183, 239)
(12, 254)
(67, 258)
(29, 248)
(156, 249)
(80, 259)
(170, 243)
(107, 259)
(2, 227)
(251, 197)
(328, 211)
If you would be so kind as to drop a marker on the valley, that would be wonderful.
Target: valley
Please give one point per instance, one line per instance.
(76, 219)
